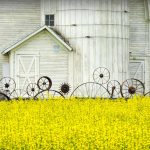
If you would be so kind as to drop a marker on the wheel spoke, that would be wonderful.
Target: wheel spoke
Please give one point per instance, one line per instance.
(135, 87)
(101, 75)
(44, 83)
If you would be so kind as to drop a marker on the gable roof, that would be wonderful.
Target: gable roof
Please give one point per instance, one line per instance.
(53, 33)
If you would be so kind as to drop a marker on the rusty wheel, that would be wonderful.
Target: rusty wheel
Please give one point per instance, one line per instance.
(44, 83)
(3, 96)
(147, 94)
(19, 93)
(32, 89)
(65, 88)
(90, 90)
(48, 94)
(113, 88)
(7, 85)
(101, 75)
(131, 87)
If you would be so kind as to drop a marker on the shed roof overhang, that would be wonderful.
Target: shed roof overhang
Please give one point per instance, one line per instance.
(52, 32)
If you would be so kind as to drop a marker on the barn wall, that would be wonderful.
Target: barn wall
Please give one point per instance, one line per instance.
(53, 58)
(17, 18)
(98, 32)
(139, 42)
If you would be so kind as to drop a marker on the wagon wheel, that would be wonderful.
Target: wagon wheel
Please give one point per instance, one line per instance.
(44, 83)
(7, 85)
(65, 88)
(147, 94)
(113, 88)
(90, 90)
(32, 89)
(3, 96)
(101, 75)
(131, 87)
(48, 94)
(19, 93)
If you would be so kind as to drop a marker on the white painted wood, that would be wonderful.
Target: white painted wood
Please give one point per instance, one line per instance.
(138, 27)
(6, 70)
(42, 13)
(3, 60)
(49, 58)
(26, 70)
(139, 39)
(137, 68)
(147, 9)
(33, 34)
(106, 23)
(100, 32)
(17, 19)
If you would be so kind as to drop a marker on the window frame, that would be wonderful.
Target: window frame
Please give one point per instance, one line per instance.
(50, 20)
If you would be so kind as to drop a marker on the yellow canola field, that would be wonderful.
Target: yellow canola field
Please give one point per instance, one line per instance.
(75, 124)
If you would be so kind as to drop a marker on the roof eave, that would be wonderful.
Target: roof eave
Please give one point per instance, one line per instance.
(32, 34)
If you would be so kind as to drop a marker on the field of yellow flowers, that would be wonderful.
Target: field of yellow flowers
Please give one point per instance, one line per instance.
(75, 124)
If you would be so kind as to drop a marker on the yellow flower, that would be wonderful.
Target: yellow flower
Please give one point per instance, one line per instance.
(75, 124)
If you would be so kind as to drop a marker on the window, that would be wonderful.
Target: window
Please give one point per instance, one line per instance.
(49, 20)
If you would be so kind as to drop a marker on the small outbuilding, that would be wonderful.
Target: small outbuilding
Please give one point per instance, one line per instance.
(43, 52)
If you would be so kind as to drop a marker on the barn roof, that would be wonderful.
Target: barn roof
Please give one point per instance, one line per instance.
(51, 31)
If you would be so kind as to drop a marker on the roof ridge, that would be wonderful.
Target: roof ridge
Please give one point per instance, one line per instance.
(34, 32)
(21, 38)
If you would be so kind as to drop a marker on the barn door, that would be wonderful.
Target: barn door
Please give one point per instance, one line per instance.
(27, 70)
(137, 70)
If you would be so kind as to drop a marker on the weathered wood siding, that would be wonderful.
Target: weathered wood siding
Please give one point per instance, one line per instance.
(53, 59)
(98, 32)
(17, 18)
(139, 42)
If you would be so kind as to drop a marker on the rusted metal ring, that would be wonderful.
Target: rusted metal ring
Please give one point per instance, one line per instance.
(44, 83)
(48, 94)
(32, 89)
(7, 84)
(90, 90)
(101, 75)
(131, 87)
(4, 96)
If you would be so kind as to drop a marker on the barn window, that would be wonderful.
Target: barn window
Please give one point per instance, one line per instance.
(50, 20)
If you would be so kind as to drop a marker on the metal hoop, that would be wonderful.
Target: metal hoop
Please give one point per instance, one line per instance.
(101, 75)
(48, 94)
(90, 90)
(32, 89)
(131, 87)
(19, 93)
(65, 88)
(3, 96)
(7, 85)
(44, 83)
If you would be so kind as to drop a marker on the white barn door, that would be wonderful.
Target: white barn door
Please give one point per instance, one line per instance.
(137, 70)
(27, 70)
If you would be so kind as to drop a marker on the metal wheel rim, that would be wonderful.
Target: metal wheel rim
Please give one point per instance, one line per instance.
(29, 89)
(90, 90)
(101, 75)
(7, 97)
(7, 84)
(137, 84)
(49, 97)
(19, 93)
(47, 81)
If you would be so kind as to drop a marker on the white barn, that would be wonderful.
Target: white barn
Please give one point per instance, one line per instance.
(67, 39)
